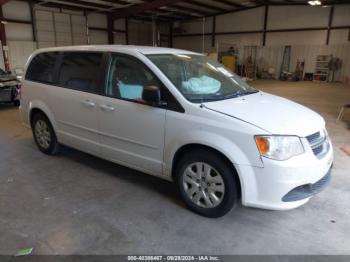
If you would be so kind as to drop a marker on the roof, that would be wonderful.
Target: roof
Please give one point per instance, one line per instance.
(146, 50)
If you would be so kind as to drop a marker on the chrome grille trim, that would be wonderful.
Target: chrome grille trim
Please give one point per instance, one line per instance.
(313, 137)
(319, 144)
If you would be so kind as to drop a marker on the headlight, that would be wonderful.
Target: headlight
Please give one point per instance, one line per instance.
(279, 147)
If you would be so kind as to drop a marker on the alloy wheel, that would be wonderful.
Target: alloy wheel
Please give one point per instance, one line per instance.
(203, 185)
(42, 134)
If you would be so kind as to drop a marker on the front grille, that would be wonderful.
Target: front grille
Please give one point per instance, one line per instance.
(319, 144)
(317, 150)
(312, 138)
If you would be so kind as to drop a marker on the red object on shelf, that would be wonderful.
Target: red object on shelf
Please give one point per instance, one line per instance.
(7, 66)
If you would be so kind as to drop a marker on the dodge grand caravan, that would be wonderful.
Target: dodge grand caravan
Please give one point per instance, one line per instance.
(180, 116)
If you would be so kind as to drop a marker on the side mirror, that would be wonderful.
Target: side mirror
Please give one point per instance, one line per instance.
(151, 95)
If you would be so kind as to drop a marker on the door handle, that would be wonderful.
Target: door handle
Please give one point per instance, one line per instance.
(88, 103)
(107, 108)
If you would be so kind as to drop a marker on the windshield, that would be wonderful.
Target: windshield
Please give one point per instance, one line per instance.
(199, 78)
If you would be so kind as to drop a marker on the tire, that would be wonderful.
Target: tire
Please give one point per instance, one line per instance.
(44, 135)
(220, 182)
(17, 103)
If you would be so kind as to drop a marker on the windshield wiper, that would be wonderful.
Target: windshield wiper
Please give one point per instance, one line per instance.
(251, 92)
(217, 98)
(240, 93)
(233, 95)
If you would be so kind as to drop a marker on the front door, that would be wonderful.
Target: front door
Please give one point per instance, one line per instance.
(132, 132)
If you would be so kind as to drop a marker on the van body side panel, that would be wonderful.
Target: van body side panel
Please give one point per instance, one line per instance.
(35, 96)
(76, 119)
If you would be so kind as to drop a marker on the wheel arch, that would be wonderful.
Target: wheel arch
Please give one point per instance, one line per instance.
(39, 107)
(193, 146)
(34, 112)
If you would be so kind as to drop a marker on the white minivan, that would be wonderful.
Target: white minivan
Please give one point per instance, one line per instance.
(180, 116)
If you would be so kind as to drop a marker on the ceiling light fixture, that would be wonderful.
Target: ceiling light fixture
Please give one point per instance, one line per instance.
(316, 2)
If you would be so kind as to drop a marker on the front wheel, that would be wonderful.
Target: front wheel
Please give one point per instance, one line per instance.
(206, 183)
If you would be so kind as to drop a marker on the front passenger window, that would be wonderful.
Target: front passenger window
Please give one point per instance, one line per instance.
(127, 78)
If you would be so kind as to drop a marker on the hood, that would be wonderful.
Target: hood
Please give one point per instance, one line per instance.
(272, 113)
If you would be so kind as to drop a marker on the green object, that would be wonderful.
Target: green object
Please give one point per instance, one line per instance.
(24, 252)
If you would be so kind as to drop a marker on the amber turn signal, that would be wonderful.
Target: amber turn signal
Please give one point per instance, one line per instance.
(263, 144)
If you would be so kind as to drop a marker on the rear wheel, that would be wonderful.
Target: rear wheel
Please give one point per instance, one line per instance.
(206, 183)
(44, 135)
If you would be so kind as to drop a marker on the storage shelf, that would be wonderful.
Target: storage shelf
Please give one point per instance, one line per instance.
(322, 68)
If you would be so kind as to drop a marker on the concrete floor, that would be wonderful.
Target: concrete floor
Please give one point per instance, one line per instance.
(78, 204)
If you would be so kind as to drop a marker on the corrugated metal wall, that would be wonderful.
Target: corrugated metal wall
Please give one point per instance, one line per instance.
(19, 52)
(306, 45)
(59, 29)
(271, 57)
(69, 27)
(309, 53)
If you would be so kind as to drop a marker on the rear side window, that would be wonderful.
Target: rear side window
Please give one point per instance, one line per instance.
(41, 68)
(81, 71)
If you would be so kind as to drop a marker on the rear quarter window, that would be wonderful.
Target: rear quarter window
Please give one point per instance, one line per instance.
(42, 68)
(81, 71)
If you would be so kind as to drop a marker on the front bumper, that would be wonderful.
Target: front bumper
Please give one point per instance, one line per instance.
(308, 190)
(283, 185)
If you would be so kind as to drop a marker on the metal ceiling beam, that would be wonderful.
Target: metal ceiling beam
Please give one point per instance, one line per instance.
(229, 3)
(141, 17)
(181, 11)
(193, 10)
(170, 14)
(71, 5)
(236, 10)
(119, 2)
(139, 8)
(215, 8)
(114, 4)
(262, 2)
(68, 7)
(86, 4)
